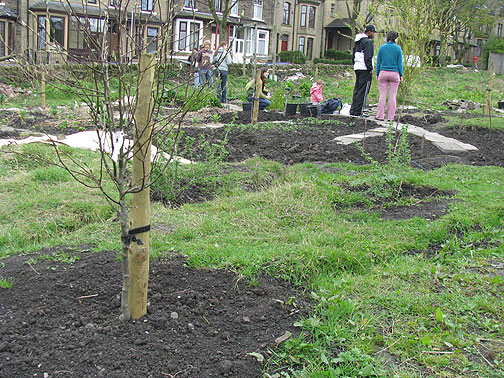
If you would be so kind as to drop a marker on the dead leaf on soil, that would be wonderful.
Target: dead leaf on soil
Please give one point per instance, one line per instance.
(284, 337)
(258, 356)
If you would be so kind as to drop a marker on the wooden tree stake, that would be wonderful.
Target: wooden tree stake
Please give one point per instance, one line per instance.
(42, 88)
(490, 86)
(140, 202)
(257, 92)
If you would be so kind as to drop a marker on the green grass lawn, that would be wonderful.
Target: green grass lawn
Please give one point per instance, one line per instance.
(383, 304)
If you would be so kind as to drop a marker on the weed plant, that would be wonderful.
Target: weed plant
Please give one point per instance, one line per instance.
(385, 180)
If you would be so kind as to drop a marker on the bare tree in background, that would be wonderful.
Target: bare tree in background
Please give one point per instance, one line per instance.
(122, 86)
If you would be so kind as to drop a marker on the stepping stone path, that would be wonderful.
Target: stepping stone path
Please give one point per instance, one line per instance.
(445, 144)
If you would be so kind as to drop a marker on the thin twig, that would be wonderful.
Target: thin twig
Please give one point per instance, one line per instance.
(384, 349)
(30, 265)
(87, 296)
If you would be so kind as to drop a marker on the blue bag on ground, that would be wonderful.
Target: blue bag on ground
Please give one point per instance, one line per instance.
(330, 106)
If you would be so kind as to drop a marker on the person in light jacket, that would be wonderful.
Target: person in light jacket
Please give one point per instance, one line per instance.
(222, 58)
(362, 60)
(316, 92)
(389, 71)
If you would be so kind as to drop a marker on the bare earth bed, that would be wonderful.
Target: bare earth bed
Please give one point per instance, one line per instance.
(61, 319)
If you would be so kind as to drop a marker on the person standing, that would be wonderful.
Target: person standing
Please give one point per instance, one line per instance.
(389, 71)
(222, 58)
(194, 65)
(362, 60)
(204, 59)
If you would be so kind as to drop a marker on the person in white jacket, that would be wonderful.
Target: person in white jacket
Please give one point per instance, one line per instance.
(362, 60)
(222, 58)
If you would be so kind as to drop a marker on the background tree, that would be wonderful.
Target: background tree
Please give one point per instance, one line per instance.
(221, 10)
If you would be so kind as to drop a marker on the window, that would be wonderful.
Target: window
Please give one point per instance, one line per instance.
(262, 42)
(333, 10)
(41, 32)
(57, 30)
(152, 42)
(91, 1)
(75, 35)
(258, 9)
(2, 38)
(479, 42)
(147, 5)
(301, 44)
(190, 4)
(311, 18)
(234, 8)
(286, 13)
(218, 5)
(499, 30)
(188, 34)
(236, 38)
(309, 48)
(303, 15)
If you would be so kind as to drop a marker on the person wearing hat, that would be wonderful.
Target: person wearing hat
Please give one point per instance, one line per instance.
(362, 60)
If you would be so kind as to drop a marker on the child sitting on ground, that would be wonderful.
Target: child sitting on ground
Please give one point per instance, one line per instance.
(316, 92)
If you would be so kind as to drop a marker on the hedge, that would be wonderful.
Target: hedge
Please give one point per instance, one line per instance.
(292, 57)
(331, 61)
(338, 55)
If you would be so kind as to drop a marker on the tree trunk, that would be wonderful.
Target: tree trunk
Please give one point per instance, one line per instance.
(140, 201)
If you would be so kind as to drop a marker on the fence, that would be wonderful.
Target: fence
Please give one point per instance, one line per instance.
(498, 60)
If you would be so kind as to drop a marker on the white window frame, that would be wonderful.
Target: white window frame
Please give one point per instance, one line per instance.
(258, 10)
(286, 13)
(250, 40)
(149, 5)
(303, 16)
(189, 21)
(302, 44)
(218, 5)
(190, 4)
(234, 8)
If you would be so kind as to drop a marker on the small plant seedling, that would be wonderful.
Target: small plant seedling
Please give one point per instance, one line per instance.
(195, 120)
(215, 117)
(63, 125)
(54, 110)
(6, 283)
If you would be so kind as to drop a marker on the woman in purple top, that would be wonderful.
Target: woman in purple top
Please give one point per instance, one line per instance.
(389, 70)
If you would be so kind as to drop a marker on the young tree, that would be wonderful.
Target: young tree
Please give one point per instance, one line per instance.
(414, 22)
(123, 88)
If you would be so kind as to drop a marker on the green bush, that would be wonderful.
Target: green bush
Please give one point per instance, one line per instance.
(495, 45)
(331, 61)
(292, 57)
(338, 55)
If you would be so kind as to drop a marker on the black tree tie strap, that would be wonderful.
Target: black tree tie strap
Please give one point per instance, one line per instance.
(130, 237)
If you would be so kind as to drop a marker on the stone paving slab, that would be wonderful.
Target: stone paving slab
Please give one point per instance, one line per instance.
(445, 144)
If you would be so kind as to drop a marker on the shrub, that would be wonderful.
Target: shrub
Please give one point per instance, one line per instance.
(338, 55)
(495, 45)
(296, 57)
(330, 61)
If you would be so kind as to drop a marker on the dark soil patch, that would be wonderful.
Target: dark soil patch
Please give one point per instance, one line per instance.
(426, 202)
(62, 319)
(315, 142)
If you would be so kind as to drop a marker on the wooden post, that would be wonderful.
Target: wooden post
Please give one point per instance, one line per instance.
(42, 85)
(490, 86)
(316, 73)
(140, 202)
(244, 66)
(255, 104)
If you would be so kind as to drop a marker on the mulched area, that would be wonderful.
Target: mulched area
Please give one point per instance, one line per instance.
(61, 319)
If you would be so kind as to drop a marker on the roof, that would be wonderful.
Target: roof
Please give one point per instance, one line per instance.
(339, 23)
(76, 9)
(7, 13)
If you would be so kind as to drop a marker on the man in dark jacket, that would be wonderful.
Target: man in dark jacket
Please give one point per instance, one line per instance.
(362, 60)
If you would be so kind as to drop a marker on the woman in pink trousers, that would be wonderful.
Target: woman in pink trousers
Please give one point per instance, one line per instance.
(389, 69)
